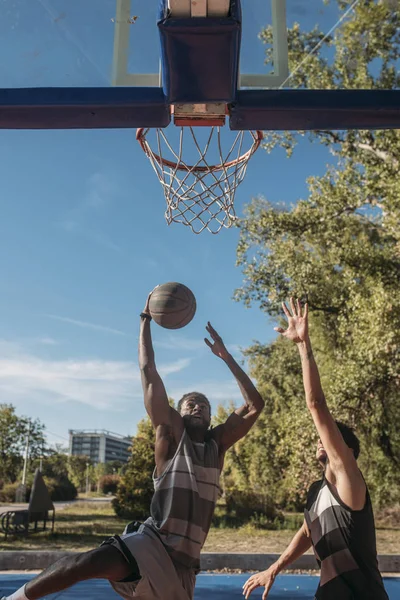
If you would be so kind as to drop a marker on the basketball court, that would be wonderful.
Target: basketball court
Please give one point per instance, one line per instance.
(208, 587)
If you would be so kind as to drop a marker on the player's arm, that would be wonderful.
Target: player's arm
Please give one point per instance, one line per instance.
(351, 485)
(297, 547)
(239, 422)
(155, 395)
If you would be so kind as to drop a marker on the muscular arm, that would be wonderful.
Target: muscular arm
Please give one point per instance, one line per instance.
(240, 422)
(155, 396)
(342, 463)
(350, 484)
(297, 547)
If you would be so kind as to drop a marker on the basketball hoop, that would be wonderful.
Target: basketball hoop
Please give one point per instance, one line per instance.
(200, 191)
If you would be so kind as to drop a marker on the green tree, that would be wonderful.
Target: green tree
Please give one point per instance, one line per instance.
(136, 488)
(340, 248)
(114, 467)
(251, 471)
(54, 468)
(13, 436)
(78, 469)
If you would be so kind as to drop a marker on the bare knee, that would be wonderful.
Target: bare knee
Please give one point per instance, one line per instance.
(105, 562)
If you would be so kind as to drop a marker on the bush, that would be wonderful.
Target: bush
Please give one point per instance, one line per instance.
(108, 484)
(248, 507)
(388, 517)
(135, 490)
(60, 489)
(7, 493)
(133, 502)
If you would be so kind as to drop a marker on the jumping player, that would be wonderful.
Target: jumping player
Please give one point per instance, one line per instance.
(159, 559)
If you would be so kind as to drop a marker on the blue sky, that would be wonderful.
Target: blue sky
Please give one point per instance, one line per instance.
(83, 236)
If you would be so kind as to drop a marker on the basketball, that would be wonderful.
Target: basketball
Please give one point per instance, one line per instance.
(172, 305)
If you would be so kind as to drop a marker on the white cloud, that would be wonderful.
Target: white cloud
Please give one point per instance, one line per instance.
(102, 384)
(174, 367)
(87, 325)
(46, 341)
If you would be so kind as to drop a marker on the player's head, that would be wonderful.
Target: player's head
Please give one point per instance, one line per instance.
(195, 409)
(349, 437)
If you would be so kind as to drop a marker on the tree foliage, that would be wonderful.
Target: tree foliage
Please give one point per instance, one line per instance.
(79, 468)
(13, 435)
(136, 488)
(54, 468)
(340, 249)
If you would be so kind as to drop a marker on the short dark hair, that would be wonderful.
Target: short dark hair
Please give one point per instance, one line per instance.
(192, 395)
(349, 437)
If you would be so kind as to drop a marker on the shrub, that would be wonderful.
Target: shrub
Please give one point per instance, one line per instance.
(60, 489)
(248, 507)
(8, 491)
(135, 490)
(108, 484)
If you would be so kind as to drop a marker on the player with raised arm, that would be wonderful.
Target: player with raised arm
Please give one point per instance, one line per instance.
(159, 559)
(339, 521)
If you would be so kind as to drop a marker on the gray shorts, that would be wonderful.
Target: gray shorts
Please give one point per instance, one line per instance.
(161, 578)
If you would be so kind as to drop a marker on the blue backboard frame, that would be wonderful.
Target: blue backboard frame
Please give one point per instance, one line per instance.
(149, 106)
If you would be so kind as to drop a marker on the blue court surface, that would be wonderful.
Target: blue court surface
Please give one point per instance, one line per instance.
(208, 587)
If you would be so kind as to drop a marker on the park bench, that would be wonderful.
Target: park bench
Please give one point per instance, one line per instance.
(39, 514)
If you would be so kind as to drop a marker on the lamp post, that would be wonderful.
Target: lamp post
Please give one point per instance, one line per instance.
(87, 478)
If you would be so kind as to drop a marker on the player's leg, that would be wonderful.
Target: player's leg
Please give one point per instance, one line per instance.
(105, 562)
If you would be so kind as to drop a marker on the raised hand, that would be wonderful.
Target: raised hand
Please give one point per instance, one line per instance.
(146, 309)
(265, 578)
(218, 347)
(297, 329)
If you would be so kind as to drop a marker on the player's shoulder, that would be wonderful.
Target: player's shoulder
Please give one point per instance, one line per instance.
(313, 490)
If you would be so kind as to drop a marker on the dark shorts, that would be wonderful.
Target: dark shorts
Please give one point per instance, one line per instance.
(160, 577)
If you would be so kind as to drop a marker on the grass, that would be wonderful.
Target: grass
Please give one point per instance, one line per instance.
(83, 495)
(81, 526)
(84, 526)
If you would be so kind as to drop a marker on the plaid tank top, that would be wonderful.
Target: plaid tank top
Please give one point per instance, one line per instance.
(344, 545)
(184, 499)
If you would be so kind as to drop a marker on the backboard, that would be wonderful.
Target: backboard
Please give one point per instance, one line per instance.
(97, 64)
(255, 64)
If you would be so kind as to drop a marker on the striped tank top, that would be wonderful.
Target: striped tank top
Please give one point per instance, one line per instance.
(344, 545)
(184, 499)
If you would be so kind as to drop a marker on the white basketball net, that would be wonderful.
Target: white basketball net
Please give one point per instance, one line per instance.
(198, 194)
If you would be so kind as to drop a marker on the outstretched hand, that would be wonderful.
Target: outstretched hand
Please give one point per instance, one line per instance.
(146, 309)
(218, 347)
(297, 329)
(265, 578)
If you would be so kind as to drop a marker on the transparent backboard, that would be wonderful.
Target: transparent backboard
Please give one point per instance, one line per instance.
(72, 43)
